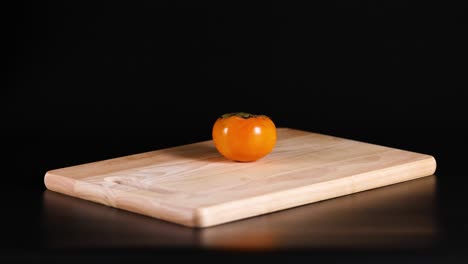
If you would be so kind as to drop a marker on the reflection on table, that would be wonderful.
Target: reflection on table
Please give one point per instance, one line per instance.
(403, 215)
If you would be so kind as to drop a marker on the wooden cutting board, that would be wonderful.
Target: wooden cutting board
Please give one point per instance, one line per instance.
(195, 186)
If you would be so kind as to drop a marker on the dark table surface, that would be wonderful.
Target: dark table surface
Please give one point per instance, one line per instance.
(419, 221)
(401, 222)
(402, 216)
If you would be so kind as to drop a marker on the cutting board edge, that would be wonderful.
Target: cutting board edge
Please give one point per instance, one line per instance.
(209, 216)
(66, 185)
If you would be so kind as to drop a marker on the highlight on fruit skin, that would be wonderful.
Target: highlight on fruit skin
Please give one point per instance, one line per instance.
(244, 137)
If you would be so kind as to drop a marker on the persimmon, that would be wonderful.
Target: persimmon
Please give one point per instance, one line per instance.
(243, 136)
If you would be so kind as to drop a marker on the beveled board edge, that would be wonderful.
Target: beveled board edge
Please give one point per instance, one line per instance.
(262, 204)
(258, 205)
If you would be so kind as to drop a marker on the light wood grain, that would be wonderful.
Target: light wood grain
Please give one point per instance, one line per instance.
(194, 185)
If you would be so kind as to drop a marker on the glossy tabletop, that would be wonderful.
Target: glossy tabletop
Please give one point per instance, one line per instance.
(398, 216)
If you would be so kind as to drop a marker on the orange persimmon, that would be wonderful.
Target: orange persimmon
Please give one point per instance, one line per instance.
(243, 136)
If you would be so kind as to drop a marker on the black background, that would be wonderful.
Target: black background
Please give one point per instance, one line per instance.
(91, 80)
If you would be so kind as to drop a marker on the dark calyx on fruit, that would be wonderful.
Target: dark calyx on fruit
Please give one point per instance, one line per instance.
(240, 114)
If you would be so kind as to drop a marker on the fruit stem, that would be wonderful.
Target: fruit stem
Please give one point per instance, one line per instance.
(239, 114)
